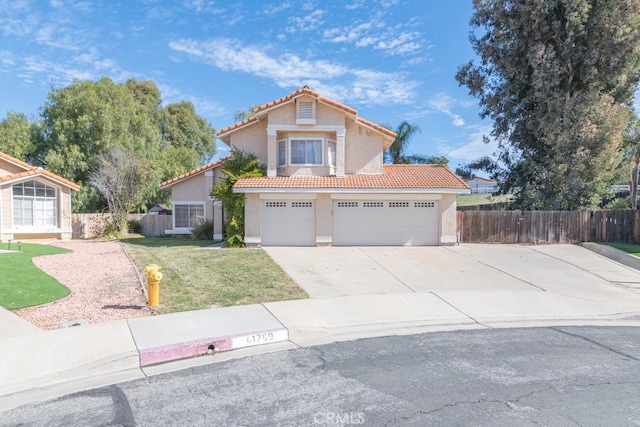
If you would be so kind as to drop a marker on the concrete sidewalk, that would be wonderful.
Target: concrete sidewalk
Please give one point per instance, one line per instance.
(37, 365)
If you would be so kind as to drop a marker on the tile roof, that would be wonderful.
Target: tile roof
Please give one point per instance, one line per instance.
(418, 177)
(189, 174)
(483, 180)
(305, 91)
(32, 171)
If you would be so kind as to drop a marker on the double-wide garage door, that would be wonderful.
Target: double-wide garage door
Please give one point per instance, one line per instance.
(385, 223)
(355, 223)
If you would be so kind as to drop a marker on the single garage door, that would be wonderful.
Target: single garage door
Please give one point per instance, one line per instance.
(288, 223)
(385, 223)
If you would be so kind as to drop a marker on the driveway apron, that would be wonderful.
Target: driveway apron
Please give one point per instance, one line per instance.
(568, 270)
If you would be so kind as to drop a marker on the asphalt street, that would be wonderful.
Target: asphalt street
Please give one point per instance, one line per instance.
(555, 376)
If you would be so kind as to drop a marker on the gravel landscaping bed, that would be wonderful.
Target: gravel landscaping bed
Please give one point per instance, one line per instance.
(104, 285)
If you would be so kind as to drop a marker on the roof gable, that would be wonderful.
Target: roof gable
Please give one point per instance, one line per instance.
(305, 91)
(190, 174)
(28, 170)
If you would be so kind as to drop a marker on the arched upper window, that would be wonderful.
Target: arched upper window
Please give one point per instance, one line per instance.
(34, 205)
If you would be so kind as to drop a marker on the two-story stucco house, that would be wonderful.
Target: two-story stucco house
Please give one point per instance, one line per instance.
(34, 203)
(326, 183)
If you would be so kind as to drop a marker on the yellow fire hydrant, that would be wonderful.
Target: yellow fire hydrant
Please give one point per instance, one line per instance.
(153, 284)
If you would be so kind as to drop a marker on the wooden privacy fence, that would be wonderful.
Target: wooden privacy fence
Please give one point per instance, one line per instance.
(549, 226)
(90, 226)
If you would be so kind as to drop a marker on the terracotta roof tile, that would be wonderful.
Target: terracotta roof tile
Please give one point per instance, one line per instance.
(189, 174)
(419, 177)
(15, 161)
(296, 93)
(33, 171)
(379, 128)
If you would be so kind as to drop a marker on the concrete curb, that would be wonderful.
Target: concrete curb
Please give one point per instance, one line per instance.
(613, 254)
(161, 339)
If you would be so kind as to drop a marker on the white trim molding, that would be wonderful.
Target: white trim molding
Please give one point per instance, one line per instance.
(288, 196)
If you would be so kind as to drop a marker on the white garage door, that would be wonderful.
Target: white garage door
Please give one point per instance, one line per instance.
(288, 223)
(385, 223)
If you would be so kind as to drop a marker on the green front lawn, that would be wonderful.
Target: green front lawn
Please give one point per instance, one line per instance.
(196, 278)
(22, 284)
(627, 247)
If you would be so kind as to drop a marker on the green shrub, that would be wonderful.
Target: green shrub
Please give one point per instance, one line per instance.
(111, 231)
(135, 226)
(203, 231)
(240, 165)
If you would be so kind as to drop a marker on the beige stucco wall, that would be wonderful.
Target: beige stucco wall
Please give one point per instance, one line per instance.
(363, 146)
(329, 116)
(64, 210)
(7, 168)
(5, 211)
(448, 229)
(252, 139)
(196, 189)
(363, 150)
(324, 220)
(253, 220)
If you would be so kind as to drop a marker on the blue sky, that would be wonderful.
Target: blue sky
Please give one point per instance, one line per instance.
(392, 60)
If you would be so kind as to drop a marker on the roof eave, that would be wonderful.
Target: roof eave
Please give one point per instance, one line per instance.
(30, 176)
(283, 190)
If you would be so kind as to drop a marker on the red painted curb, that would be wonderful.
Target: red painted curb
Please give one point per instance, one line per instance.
(202, 346)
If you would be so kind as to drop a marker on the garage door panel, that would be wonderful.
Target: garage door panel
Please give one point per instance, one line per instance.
(288, 223)
(385, 223)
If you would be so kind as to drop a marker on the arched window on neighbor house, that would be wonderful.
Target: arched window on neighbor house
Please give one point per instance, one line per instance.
(34, 205)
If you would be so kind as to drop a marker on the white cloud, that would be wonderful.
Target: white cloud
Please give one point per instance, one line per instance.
(444, 104)
(377, 33)
(357, 4)
(290, 70)
(474, 147)
(204, 107)
(18, 19)
(274, 9)
(201, 6)
(308, 22)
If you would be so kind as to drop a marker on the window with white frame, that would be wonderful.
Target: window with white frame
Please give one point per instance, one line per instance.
(306, 152)
(34, 205)
(331, 153)
(188, 215)
(282, 153)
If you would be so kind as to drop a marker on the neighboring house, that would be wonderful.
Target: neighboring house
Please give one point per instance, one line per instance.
(482, 185)
(34, 203)
(160, 209)
(191, 201)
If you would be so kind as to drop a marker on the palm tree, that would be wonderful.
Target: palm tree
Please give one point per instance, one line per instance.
(396, 152)
(242, 115)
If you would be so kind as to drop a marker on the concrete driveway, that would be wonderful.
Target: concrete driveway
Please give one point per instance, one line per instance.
(568, 270)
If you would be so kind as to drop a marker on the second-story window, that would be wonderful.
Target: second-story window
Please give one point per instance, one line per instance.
(331, 153)
(306, 152)
(282, 156)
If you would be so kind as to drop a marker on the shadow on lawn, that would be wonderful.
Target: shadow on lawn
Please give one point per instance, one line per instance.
(165, 242)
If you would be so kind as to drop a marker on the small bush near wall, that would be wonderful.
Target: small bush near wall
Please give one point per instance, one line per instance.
(203, 231)
(135, 226)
